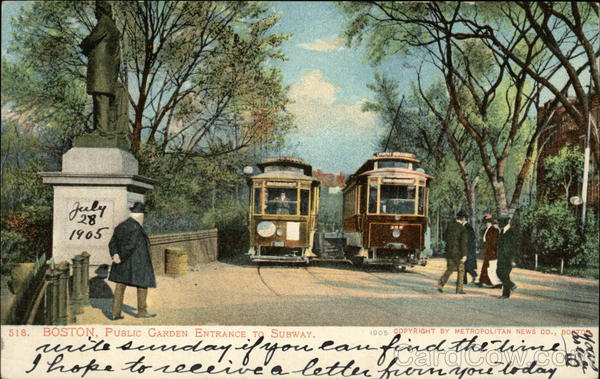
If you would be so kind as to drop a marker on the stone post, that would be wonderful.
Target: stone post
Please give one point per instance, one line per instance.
(52, 297)
(92, 195)
(76, 287)
(85, 279)
(63, 292)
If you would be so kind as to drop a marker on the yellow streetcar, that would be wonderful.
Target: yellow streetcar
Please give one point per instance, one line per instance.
(284, 202)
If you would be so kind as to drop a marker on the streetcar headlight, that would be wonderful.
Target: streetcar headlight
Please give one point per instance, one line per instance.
(279, 232)
(396, 233)
(265, 229)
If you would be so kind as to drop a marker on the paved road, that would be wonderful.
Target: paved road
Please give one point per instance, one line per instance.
(235, 292)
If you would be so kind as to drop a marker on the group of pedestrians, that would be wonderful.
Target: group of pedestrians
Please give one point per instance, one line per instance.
(500, 243)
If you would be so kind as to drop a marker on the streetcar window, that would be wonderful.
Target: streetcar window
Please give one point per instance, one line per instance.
(421, 200)
(350, 203)
(304, 197)
(373, 197)
(392, 164)
(284, 168)
(257, 192)
(397, 199)
(281, 201)
(363, 200)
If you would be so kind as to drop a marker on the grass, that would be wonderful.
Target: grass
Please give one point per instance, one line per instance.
(581, 272)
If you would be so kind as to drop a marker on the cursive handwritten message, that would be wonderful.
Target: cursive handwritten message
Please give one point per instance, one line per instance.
(88, 221)
(220, 352)
(586, 352)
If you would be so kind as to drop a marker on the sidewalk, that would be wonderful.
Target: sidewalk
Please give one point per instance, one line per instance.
(235, 292)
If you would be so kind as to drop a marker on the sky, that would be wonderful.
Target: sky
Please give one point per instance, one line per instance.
(9, 9)
(328, 84)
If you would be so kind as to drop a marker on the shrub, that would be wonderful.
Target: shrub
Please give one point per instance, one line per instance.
(163, 222)
(231, 219)
(26, 235)
(552, 231)
(588, 252)
(14, 250)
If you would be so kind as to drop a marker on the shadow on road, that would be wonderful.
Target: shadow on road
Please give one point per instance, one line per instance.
(340, 264)
(101, 295)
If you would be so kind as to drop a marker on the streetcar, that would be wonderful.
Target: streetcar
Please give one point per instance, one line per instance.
(284, 202)
(385, 211)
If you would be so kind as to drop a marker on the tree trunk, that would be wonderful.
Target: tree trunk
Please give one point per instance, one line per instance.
(473, 209)
(437, 237)
(520, 182)
(500, 196)
(136, 134)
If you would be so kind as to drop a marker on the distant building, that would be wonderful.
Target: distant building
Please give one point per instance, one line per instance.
(333, 183)
(563, 131)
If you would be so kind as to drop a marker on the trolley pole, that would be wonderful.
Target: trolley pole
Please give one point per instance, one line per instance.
(586, 160)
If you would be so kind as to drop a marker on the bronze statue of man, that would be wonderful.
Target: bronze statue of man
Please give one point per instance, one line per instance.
(104, 58)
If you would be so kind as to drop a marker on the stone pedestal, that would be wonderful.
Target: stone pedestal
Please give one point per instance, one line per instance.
(92, 195)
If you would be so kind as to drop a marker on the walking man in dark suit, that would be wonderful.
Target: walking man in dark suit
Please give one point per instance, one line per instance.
(132, 266)
(508, 243)
(456, 252)
(471, 262)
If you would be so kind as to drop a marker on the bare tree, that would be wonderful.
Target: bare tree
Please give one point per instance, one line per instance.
(567, 32)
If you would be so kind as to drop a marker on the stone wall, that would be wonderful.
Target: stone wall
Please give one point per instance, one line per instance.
(201, 245)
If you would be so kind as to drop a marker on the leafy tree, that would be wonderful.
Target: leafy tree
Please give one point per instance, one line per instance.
(423, 123)
(197, 72)
(568, 34)
(26, 215)
(552, 230)
(409, 122)
(491, 96)
(330, 210)
(565, 168)
(231, 220)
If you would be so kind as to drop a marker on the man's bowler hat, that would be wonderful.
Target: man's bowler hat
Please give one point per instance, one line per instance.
(138, 207)
(488, 217)
(461, 214)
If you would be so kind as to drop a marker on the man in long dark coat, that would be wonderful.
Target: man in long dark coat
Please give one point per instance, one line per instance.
(508, 243)
(104, 57)
(471, 262)
(132, 266)
(456, 252)
(490, 243)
